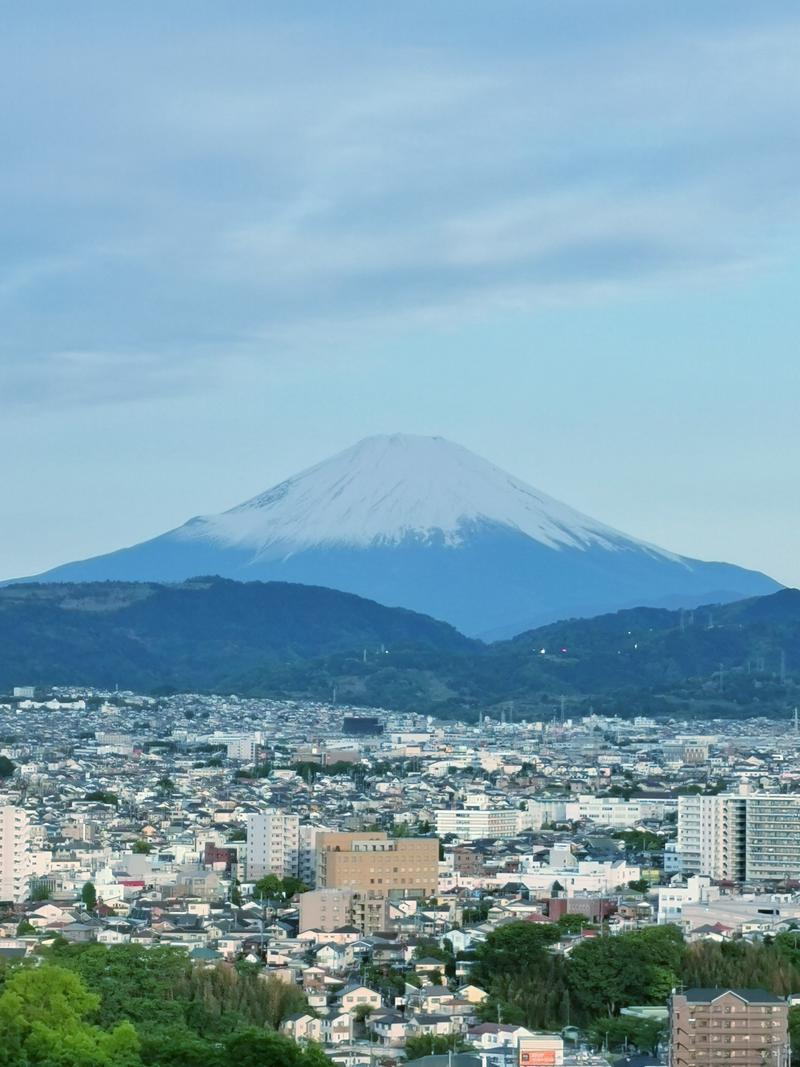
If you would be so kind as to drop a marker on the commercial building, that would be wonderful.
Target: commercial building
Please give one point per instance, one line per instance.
(471, 824)
(618, 812)
(541, 1050)
(745, 1027)
(373, 863)
(15, 857)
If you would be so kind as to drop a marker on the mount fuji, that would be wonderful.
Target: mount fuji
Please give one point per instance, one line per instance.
(421, 523)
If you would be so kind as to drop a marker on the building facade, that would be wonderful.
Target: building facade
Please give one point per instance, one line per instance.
(15, 856)
(273, 844)
(470, 824)
(372, 864)
(740, 837)
(744, 1027)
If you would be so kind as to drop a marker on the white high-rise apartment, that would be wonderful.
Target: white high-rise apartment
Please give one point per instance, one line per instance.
(273, 844)
(711, 835)
(15, 858)
(740, 837)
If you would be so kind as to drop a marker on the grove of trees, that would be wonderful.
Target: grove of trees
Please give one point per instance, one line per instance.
(127, 1006)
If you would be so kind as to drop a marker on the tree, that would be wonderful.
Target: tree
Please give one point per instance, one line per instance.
(142, 848)
(102, 796)
(260, 1048)
(432, 1045)
(43, 1013)
(794, 1033)
(606, 974)
(165, 786)
(571, 923)
(624, 1031)
(25, 929)
(524, 979)
(271, 887)
(7, 768)
(89, 896)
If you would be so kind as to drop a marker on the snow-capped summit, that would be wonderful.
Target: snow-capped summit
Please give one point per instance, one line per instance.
(422, 523)
(392, 487)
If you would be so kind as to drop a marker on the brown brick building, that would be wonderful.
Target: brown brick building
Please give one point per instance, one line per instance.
(734, 1027)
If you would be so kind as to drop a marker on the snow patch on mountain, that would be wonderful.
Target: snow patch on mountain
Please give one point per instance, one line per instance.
(391, 488)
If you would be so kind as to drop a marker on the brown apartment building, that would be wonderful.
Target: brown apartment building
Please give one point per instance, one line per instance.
(734, 1027)
(375, 864)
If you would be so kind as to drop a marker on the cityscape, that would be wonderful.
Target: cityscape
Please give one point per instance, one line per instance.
(399, 511)
(497, 891)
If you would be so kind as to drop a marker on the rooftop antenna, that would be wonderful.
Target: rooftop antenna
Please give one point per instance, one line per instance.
(334, 696)
(796, 723)
(562, 709)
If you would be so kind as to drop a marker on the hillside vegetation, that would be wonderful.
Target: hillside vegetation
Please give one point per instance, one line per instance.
(282, 640)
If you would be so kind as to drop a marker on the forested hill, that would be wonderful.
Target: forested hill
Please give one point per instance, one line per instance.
(195, 634)
(277, 639)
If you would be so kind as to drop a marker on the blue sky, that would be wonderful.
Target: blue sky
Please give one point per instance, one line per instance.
(237, 238)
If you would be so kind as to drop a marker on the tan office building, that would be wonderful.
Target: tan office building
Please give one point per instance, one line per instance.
(734, 1027)
(373, 864)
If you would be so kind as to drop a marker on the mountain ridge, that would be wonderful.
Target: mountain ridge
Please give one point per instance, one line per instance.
(425, 524)
(300, 642)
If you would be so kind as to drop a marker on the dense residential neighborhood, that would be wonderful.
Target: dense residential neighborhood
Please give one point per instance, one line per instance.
(390, 872)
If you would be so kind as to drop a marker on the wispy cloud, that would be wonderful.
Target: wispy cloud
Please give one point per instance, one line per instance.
(175, 201)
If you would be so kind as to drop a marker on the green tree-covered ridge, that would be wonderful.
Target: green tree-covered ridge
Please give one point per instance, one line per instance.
(282, 640)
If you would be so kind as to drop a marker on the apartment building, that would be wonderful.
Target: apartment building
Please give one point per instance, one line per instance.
(740, 837)
(331, 909)
(772, 838)
(273, 844)
(15, 856)
(711, 835)
(741, 1027)
(374, 864)
(326, 909)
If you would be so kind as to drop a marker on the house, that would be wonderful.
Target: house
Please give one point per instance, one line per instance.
(390, 1028)
(356, 996)
(472, 993)
(302, 1027)
(337, 1028)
